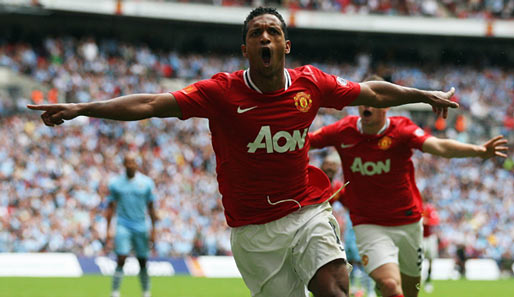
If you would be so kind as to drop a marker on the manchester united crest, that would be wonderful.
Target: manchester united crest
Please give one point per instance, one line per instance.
(365, 260)
(303, 101)
(385, 143)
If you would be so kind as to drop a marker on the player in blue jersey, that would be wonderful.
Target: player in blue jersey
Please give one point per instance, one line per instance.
(131, 196)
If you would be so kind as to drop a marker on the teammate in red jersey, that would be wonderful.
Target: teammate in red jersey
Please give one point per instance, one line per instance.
(284, 237)
(384, 203)
(430, 244)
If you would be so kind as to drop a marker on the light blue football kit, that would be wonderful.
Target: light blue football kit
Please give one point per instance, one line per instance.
(132, 197)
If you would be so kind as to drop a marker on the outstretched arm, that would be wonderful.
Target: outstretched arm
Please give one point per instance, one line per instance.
(383, 94)
(125, 108)
(449, 148)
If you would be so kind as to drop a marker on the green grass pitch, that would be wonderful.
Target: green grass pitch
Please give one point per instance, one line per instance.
(185, 286)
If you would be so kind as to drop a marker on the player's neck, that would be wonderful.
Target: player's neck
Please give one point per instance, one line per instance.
(374, 129)
(268, 83)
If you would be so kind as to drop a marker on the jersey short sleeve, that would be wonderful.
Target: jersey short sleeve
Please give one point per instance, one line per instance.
(322, 137)
(201, 98)
(150, 195)
(413, 134)
(336, 92)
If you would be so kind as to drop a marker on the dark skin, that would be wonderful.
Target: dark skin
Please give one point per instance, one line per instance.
(267, 72)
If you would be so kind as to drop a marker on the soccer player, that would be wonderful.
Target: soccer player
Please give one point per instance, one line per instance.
(384, 203)
(131, 196)
(430, 244)
(284, 238)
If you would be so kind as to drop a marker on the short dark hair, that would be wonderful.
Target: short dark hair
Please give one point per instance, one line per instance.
(260, 11)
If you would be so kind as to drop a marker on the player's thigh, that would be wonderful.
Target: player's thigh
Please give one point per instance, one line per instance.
(376, 247)
(387, 271)
(409, 239)
(263, 257)
(122, 240)
(331, 279)
(319, 257)
(140, 242)
(285, 283)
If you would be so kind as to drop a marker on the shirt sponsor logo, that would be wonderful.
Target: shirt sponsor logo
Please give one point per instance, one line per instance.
(189, 89)
(280, 142)
(370, 168)
(243, 110)
(303, 101)
(385, 143)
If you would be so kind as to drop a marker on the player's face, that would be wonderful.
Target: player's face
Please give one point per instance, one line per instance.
(266, 46)
(130, 166)
(330, 169)
(371, 116)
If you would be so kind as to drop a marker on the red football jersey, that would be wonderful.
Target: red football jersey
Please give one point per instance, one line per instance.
(430, 219)
(261, 139)
(382, 189)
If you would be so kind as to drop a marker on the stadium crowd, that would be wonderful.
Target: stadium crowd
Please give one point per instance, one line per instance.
(53, 181)
(503, 9)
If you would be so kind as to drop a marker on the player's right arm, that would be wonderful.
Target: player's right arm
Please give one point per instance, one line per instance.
(126, 108)
(384, 94)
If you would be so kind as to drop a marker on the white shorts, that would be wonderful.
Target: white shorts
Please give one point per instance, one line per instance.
(279, 258)
(402, 245)
(430, 246)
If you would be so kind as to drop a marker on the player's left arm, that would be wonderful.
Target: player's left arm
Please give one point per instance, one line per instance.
(450, 148)
(384, 94)
(153, 218)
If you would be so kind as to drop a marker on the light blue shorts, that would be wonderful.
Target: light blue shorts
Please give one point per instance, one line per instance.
(127, 239)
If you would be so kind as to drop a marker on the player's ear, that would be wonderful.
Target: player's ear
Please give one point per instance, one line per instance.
(288, 46)
(243, 50)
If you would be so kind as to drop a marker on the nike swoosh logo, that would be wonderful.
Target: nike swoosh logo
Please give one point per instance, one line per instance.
(346, 145)
(243, 110)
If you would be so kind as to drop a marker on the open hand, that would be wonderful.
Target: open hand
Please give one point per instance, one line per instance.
(56, 114)
(495, 146)
(440, 102)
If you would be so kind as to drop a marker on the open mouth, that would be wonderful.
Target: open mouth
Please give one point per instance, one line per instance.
(366, 113)
(266, 55)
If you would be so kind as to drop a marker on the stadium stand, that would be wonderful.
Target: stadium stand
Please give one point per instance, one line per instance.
(53, 181)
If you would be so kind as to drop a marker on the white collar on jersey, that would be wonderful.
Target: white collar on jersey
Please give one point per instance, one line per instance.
(359, 126)
(249, 83)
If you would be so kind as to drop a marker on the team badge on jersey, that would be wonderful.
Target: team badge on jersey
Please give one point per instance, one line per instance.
(384, 143)
(365, 260)
(303, 101)
(189, 89)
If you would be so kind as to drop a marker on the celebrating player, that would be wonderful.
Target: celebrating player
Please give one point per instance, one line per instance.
(382, 197)
(131, 195)
(285, 239)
